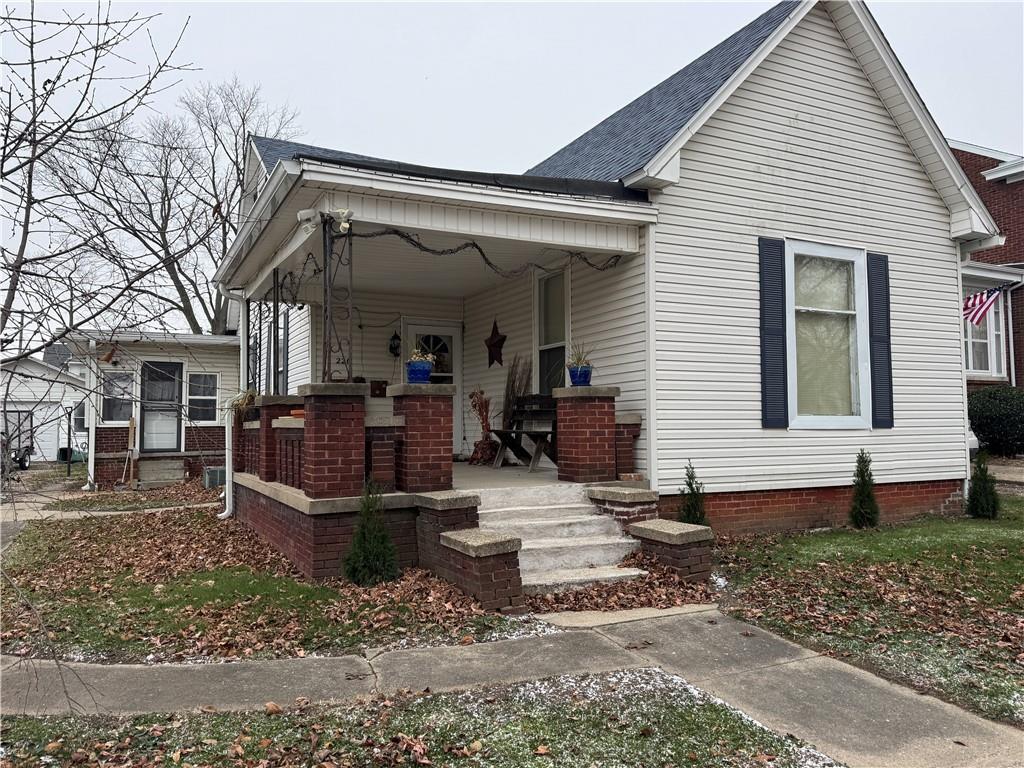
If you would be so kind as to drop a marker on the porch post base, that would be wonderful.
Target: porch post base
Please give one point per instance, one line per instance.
(423, 460)
(586, 433)
(271, 407)
(334, 440)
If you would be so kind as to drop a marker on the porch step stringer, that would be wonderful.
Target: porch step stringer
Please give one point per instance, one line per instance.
(566, 542)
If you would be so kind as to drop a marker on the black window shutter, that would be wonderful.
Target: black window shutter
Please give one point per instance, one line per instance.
(774, 396)
(880, 341)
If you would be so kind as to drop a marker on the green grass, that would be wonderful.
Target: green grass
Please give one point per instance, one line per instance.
(937, 604)
(628, 718)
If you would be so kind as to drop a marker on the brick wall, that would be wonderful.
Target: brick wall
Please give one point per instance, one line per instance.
(289, 456)
(625, 439)
(205, 439)
(111, 439)
(586, 439)
(1006, 204)
(109, 471)
(382, 444)
(691, 561)
(317, 544)
(494, 580)
(424, 456)
(267, 443)
(761, 511)
(430, 524)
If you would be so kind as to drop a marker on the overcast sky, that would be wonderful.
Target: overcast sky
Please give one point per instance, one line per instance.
(499, 87)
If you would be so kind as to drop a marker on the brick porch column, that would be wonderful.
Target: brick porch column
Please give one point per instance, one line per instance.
(271, 407)
(424, 457)
(333, 446)
(586, 433)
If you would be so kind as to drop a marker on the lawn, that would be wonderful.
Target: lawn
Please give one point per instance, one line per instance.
(628, 718)
(53, 476)
(118, 501)
(181, 585)
(937, 604)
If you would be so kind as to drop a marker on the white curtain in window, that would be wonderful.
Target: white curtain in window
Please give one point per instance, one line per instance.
(826, 341)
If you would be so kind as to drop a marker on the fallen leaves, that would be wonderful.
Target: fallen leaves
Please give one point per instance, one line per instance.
(271, 708)
(660, 588)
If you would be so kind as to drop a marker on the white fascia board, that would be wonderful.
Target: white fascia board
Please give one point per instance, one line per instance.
(281, 180)
(458, 193)
(993, 273)
(977, 149)
(983, 225)
(663, 169)
(1012, 171)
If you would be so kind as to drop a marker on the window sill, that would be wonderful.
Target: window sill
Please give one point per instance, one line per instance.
(987, 378)
(829, 422)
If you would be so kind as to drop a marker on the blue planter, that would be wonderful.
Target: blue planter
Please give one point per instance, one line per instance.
(418, 371)
(580, 376)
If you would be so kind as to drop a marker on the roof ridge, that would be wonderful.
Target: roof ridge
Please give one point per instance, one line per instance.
(634, 133)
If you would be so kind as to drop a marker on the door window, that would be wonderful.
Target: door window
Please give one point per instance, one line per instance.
(161, 406)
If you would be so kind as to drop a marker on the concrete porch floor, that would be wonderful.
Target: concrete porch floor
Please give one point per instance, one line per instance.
(467, 477)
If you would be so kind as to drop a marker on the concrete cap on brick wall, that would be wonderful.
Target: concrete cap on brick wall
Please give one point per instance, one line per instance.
(477, 542)
(447, 499)
(628, 418)
(561, 393)
(335, 389)
(250, 425)
(277, 400)
(405, 390)
(622, 495)
(670, 531)
(287, 422)
(385, 421)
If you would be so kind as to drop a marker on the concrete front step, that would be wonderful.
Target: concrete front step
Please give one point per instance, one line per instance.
(545, 555)
(555, 527)
(554, 495)
(543, 512)
(563, 579)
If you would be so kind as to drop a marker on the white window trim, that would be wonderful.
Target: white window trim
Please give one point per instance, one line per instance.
(858, 256)
(133, 397)
(188, 397)
(539, 277)
(987, 373)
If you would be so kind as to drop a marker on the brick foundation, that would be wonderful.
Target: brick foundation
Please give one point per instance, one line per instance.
(424, 456)
(586, 433)
(763, 511)
(317, 544)
(333, 459)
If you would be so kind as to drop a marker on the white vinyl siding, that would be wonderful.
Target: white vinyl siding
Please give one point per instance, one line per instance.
(803, 149)
(299, 360)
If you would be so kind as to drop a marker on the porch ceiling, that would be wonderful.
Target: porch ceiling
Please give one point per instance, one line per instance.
(388, 264)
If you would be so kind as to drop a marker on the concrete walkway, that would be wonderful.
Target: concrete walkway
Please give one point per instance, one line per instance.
(846, 713)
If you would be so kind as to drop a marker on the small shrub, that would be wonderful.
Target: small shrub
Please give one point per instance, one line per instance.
(692, 508)
(982, 499)
(997, 419)
(372, 558)
(864, 507)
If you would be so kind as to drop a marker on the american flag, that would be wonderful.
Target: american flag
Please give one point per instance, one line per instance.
(978, 305)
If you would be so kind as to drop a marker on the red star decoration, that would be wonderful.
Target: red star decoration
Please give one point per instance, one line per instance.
(494, 344)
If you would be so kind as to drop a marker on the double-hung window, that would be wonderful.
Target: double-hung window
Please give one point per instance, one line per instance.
(828, 355)
(202, 397)
(117, 396)
(551, 332)
(984, 344)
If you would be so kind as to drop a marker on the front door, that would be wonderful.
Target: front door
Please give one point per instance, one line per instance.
(444, 342)
(161, 407)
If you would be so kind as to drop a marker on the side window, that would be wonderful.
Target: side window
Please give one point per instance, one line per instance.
(202, 397)
(117, 396)
(551, 339)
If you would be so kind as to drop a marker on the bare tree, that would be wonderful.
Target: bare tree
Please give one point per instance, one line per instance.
(67, 78)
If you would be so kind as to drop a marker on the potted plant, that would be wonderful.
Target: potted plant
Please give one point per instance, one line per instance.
(579, 366)
(418, 367)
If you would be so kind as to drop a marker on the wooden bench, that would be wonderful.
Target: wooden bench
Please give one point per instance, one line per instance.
(533, 416)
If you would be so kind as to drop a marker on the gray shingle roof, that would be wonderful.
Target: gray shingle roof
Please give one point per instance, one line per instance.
(624, 142)
(272, 150)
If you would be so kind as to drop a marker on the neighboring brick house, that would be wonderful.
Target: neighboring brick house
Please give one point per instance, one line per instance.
(998, 178)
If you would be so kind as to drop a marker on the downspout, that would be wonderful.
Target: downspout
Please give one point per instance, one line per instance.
(91, 386)
(229, 416)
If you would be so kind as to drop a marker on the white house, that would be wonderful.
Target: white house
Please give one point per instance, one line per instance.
(763, 252)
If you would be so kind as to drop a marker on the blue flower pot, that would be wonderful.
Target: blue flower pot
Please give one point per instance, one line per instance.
(418, 371)
(579, 376)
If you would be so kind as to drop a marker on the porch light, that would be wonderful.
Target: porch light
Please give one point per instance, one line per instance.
(395, 344)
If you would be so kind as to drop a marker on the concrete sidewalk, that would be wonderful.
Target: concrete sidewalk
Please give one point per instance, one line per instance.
(846, 713)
